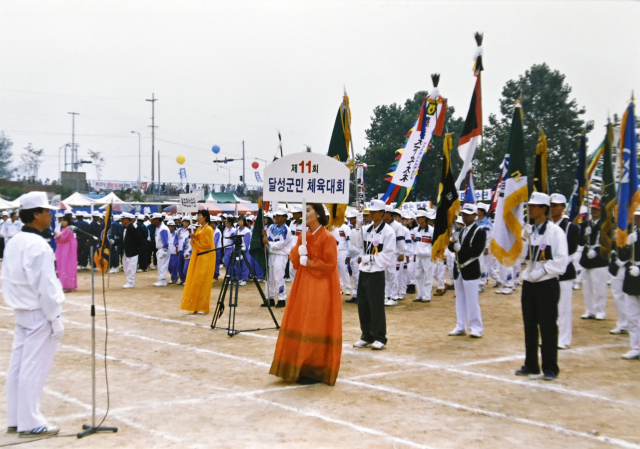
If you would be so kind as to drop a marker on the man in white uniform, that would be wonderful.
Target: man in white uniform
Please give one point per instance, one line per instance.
(341, 234)
(391, 276)
(162, 249)
(30, 287)
(424, 266)
(130, 249)
(277, 241)
(353, 254)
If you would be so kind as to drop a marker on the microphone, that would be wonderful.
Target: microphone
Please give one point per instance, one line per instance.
(75, 230)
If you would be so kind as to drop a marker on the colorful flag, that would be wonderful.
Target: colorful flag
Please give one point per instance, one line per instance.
(469, 193)
(628, 194)
(506, 239)
(608, 202)
(504, 169)
(592, 161)
(540, 182)
(472, 130)
(404, 172)
(580, 187)
(101, 256)
(448, 205)
(256, 247)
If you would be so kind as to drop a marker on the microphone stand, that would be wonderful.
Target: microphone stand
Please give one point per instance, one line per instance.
(91, 429)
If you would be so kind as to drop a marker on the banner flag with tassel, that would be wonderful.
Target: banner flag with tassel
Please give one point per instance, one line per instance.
(608, 201)
(469, 193)
(339, 146)
(404, 172)
(540, 182)
(101, 256)
(580, 187)
(506, 239)
(472, 130)
(504, 169)
(448, 205)
(628, 194)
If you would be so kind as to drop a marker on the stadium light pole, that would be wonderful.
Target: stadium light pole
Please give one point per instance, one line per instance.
(139, 158)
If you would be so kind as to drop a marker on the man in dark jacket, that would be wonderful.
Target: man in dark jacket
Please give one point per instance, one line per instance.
(565, 309)
(468, 246)
(130, 249)
(116, 232)
(83, 240)
(595, 267)
(631, 287)
(144, 258)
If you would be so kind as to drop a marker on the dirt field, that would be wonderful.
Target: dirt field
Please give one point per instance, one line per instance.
(175, 382)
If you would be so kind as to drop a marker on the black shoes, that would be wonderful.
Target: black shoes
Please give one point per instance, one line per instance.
(411, 289)
(271, 303)
(307, 381)
(549, 375)
(524, 371)
(352, 300)
(281, 304)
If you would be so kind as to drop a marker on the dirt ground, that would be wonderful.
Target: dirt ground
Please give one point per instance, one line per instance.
(175, 382)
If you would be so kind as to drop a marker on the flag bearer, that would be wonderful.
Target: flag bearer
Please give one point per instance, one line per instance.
(424, 266)
(276, 237)
(631, 287)
(391, 277)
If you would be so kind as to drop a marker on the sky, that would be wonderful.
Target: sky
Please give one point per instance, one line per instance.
(228, 72)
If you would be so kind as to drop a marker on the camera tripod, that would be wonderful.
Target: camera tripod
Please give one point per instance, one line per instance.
(231, 285)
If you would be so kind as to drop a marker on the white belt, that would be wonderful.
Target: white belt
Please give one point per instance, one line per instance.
(473, 259)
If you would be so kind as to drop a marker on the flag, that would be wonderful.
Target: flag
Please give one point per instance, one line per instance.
(540, 182)
(506, 239)
(469, 193)
(472, 130)
(101, 256)
(608, 201)
(504, 168)
(592, 161)
(339, 149)
(448, 205)
(580, 187)
(628, 194)
(256, 247)
(430, 122)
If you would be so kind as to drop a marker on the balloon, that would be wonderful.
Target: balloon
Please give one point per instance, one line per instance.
(255, 165)
(180, 159)
(215, 149)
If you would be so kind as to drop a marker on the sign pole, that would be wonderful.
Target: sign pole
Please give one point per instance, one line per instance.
(304, 222)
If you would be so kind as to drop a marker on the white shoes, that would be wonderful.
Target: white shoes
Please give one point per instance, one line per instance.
(481, 289)
(128, 285)
(113, 271)
(347, 291)
(242, 283)
(618, 331)
(139, 270)
(600, 316)
(505, 291)
(180, 283)
(576, 286)
(561, 346)
(361, 344)
(390, 302)
(160, 284)
(457, 333)
(475, 335)
(632, 355)
(377, 345)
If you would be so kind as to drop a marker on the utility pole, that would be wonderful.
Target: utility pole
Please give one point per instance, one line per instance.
(244, 178)
(153, 139)
(74, 151)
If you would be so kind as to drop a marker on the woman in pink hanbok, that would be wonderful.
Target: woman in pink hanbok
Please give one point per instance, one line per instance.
(67, 256)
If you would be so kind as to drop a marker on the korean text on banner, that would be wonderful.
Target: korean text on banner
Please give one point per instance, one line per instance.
(188, 202)
(315, 177)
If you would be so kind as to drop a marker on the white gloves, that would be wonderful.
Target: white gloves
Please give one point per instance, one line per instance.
(302, 250)
(592, 253)
(527, 230)
(632, 238)
(58, 328)
(634, 271)
(456, 247)
(303, 260)
(620, 263)
(454, 237)
(536, 274)
(587, 231)
(112, 241)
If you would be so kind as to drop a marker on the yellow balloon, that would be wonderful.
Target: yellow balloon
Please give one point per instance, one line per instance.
(180, 159)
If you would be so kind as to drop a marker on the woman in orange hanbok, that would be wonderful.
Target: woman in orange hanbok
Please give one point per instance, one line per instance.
(197, 288)
(309, 345)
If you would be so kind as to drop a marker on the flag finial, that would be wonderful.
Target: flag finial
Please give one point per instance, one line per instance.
(479, 36)
(435, 77)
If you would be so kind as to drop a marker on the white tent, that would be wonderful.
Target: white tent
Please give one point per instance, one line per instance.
(210, 199)
(108, 199)
(78, 200)
(4, 204)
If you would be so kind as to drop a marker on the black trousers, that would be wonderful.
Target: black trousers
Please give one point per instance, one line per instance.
(373, 321)
(540, 310)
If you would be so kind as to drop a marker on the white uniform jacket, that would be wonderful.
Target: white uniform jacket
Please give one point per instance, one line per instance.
(342, 234)
(423, 242)
(549, 250)
(379, 249)
(29, 282)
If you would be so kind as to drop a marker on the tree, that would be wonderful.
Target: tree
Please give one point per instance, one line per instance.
(387, 133)
(31, 161)
(546, 105)
(5, 156)
(98, 162)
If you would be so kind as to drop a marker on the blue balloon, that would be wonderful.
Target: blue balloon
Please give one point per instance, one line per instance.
(215, 149)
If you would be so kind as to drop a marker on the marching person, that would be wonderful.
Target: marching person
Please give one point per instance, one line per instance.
(379, 253)
(196, 296)
(161, 241)
(631, 287)
(566, 279)
(30, 287)
(67, 256)
(144, 257)
(486, 259)
(296, 230)
(468, 245)
(183, 234)
(174, 264)
(276, 237)
(341, 234)
(353, 254)
(217, 242)
(424, 266)
(595, 267)
(131, 242)
(391, 279)
(246, 242)
(547, 256)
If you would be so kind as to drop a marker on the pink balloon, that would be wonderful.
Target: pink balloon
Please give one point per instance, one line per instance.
(255, 165)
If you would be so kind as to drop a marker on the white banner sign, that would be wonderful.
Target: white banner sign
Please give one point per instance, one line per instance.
(315, 177)
(188, 202)
(478, 194)
(113, 185)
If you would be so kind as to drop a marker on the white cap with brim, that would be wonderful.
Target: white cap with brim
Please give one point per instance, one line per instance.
(637, 212)
(282, 211)
(539, 199)
(469, 209)
(171, 223)
(156, 215)
(558, 198)
(421, 213)
(408, 215)
(483, 206)
(459, 220)
(350, 214)
(431, 214)
(375, 205)
(33, 200)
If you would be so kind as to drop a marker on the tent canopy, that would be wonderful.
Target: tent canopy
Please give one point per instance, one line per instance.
(224, 197)
(110, 198)
(78, 200)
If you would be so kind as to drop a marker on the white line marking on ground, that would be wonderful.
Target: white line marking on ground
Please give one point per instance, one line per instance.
(479, 411)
